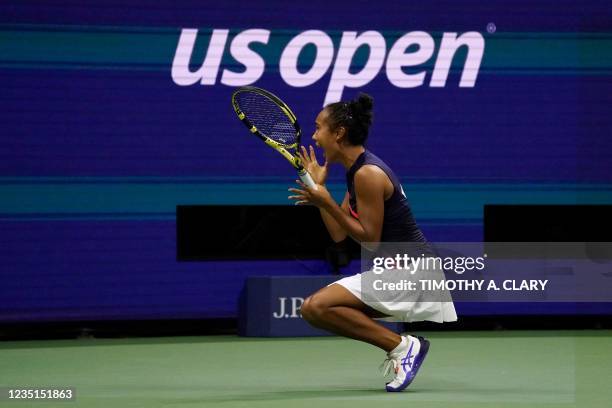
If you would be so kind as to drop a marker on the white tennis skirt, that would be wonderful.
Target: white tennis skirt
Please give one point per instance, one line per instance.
(401, 309)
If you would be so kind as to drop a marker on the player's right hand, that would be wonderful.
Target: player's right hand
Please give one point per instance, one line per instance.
(311, 164)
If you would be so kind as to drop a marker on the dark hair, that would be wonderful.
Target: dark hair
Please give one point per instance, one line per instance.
(355, 116)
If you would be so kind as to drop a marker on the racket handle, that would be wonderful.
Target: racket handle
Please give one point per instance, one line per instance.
(307, 179)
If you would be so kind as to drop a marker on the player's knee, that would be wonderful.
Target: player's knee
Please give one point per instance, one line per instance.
(306, 310)
(312, 309)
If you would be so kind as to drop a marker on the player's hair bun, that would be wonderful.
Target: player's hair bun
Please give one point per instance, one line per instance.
(356, 116)
(364, 103)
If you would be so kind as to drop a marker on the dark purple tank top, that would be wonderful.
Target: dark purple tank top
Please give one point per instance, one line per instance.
(398, 223)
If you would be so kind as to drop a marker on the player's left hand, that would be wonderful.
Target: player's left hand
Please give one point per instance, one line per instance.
(305, 195)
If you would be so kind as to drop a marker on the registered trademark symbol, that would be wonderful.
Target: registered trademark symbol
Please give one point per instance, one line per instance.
(491, 28)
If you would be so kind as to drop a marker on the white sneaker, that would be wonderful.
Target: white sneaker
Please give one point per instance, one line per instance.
(406, 359)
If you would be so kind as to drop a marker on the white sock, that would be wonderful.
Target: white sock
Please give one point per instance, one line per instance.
(400, 347)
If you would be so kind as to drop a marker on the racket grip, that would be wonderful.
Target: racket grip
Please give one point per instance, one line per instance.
(307, 179)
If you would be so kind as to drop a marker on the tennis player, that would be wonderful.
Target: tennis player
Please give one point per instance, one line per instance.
(374, 209)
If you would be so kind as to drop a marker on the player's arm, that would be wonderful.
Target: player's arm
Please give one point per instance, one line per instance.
(369, 192)
(319, 174)
(337, 233)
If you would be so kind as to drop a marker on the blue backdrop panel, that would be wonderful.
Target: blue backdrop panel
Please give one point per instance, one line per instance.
(79, 270)
(270, 306)
(99, 142)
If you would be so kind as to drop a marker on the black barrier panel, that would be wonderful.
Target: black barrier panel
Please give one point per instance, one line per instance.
(207, 232)
(548, 223)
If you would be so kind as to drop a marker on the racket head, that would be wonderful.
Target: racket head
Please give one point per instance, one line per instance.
(270, 119)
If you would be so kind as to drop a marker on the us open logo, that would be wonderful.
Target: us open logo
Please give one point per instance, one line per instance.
(408, 52)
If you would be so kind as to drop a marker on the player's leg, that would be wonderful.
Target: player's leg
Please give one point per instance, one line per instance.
(336, 309)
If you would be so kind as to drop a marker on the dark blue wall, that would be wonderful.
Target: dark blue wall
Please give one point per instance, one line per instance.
(98, 143)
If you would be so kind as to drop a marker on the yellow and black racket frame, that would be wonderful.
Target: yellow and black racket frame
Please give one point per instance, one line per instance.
(280, 147)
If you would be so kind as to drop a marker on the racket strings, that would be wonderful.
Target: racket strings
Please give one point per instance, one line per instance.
(267, 117)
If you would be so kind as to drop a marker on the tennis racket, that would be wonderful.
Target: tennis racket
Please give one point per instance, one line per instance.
(271, 120)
